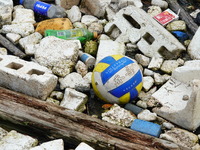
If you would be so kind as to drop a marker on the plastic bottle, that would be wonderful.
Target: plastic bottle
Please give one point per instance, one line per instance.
(42, 8)
(87, 59)
(81, 34)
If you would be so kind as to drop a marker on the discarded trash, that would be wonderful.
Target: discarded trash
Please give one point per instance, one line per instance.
(133, 108)
(181, 36)
(166, 17)
(91, 47)
(146, 127)
(54, 24)
(42, 8)
(117, 79)
(87, 59)
(72, 34)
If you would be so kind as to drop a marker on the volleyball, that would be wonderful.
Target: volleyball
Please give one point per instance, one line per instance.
(117, 79)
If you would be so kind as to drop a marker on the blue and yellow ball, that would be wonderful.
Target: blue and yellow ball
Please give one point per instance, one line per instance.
(117, 79)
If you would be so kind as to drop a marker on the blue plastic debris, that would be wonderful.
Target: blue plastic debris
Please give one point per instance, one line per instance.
(181, 36)
(146, 127)
(133, 108)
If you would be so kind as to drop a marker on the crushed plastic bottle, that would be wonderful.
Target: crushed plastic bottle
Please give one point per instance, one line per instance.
(73, 34)
(45, 9)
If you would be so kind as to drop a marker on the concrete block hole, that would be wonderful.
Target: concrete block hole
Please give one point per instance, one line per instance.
(36, 72)
(14, 66)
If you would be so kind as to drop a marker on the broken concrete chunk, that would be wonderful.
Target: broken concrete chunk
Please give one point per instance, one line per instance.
(155, 63)
(31, 39)
(168, 125)
(57, 54)
(74, 100)
(194, 46)
(142, 104)
(75, 81)
(88, 77)
(181, 137)
(143, 60)
(147, 96)
(125, 3)
(169, 65)
(148, 72)
(17, 141)
(83, 146)
(109, 47)
(88, 19)
(2, 133)
(148, 82)
(118, 116)
(96, 27)
(5, 15)
(51, 145)
(22, 15)
(57, 95)
(147, 115)
(26, 77)
(74, 14)
(152, 39)
(188, 72)
(178, 99)
(24, 29)
(160, 79)
(14, 38)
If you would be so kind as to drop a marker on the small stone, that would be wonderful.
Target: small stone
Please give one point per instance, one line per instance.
(168, 125)
(96, 27)
(74, 14)
(169, 65)
(177, 25)
(14, 38)
(186, 97)
(155, 63)
(160, 79)
(161, 3)
(57, 95)
(79, 25)
(118, 116)
(53, 101)
(154, 10)
(88, 19)
(147, 115)
(148, 82)
(131, 47)
(91, 47)
(81, 68)
(180, 61)
(142, 104)
(3, 51)
(146, 96)
(143, 60)
(83, 146)
(104, 37)
(181, 137)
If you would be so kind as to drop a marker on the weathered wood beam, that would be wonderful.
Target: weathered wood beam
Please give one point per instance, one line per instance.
(11, 47)
(73, 126)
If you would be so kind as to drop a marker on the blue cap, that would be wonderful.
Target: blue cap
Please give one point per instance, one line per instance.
(21, 2)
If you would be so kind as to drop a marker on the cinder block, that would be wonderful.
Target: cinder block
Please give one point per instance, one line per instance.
(26, 77)
(146, 127)
(152, 39)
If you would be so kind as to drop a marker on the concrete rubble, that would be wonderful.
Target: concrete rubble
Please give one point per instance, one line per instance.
(53, 72)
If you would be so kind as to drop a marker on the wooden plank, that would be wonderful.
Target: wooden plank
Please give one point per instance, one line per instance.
(11, 47)
(73, 126)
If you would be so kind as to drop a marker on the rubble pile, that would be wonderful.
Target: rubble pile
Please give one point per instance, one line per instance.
(53, 69)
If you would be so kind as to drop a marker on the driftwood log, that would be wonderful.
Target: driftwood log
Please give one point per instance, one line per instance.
(174, 5)
(74, 127)
(11, 47)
